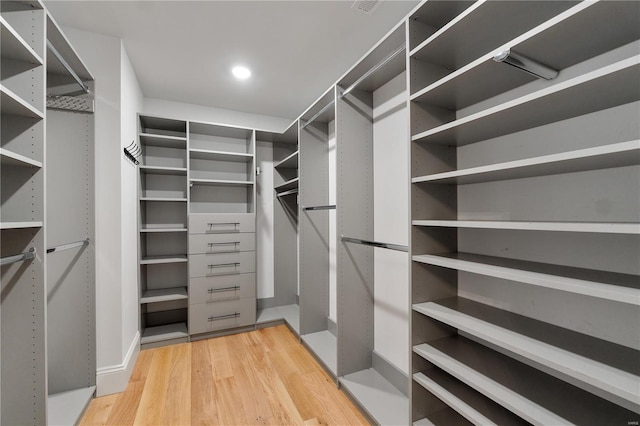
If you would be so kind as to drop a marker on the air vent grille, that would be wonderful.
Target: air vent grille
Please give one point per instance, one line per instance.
(367, 6)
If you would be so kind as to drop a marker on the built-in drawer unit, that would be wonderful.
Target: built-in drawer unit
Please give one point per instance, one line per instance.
(221, 223)
(222, 243)
(208, 317)
(223, 287)
(208, 265)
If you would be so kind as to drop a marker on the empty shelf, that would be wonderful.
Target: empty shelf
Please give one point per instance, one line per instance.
(163, 141)
(290, 162)
(446, 417)
(164, 332)
(609, 86)
(597, 366)
(20, 225)
(324, 345)
(158, 170)
(469, 403)
(529, 393)
(171, 199)
(151, 230)
(13, 46)
(164, 295)
(624, 288)
(287, 186)
(206, 154)
(288, 313)
(66, 408)
(9, 158)
(12, 104)
(602, 157)
(153, 260)
(220, 182)
(380, 399)
(604, 228)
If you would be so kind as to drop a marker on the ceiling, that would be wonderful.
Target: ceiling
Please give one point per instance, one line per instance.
(183, 51)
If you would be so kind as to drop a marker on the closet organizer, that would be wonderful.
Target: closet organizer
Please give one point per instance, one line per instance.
(48, 280)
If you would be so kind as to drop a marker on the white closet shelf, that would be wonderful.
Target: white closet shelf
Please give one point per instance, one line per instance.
(161, 170)
(155, 260)
(13, 46)
(66, 408)
(444, 417)
(382, 401)
(606, 87)
(164, 332)
(529, 393)
(163, 199)
(164, 141)
(324, 346)
(470, 404)
(290, 162)
(623, 288)
(21, 225)
(592, 227)
(601, 157)
(12, 104)
(288, 185)
(220, 182)
(164, 295)
(484, 78)
(9, 158)
(597, 366)
(155, 230)
(207, 154)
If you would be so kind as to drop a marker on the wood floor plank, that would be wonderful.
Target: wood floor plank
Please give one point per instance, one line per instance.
(155, 391)
(177, 407)
(203, 405)
(229, 398)
(98, 411)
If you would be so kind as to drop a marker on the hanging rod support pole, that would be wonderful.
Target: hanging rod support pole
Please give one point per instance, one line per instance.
(64, 247)
(19, 257)
(373, 70)
(396, 247)
(330, 207)
(66, 66)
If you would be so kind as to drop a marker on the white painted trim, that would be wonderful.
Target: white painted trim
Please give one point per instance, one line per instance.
(114, 378)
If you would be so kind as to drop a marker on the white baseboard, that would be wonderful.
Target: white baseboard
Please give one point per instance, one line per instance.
(114, 378)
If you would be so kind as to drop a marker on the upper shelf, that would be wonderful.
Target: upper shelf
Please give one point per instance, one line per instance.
(163, 141)
(290, 162)
(220, 182)
(623, 288)
(13, 46)
(601, 157)
(207, 154)
(432, 16)
(9, 158)
(484, 78)
(597, 366)
(158, 170)
(12, 104)
(593, 227)
(606, 87)
(288, 185)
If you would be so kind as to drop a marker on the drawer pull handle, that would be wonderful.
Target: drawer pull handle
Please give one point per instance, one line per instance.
(211, 225)
(222, 317)
(224, 265)
(223, 289)
(235, 245)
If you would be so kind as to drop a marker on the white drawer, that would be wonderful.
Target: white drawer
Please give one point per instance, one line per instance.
(216, 223)
(224, 287)
(222, 243)
(210, 265)
(207, 317)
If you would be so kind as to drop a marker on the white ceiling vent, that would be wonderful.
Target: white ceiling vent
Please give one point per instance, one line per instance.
(367, 6)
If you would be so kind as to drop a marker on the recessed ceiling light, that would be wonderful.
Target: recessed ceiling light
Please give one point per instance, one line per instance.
(241, 73)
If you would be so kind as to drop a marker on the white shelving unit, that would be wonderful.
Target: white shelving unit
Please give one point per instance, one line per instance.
(523, 291)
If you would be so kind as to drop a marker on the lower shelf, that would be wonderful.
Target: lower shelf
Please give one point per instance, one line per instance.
(380, 399)
(164, 332)
(288, 313)
(66, 408)
(446, 417)
(325, 347)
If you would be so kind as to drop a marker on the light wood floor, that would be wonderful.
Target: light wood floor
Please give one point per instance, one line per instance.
(261, 377)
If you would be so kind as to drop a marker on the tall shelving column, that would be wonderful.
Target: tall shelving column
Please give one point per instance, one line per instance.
(285, 234)
(525, 214)
(163, 193)
(23, 373)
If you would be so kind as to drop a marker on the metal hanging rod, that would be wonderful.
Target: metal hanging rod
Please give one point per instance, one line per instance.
(374, 69)
(19, 257)
(374, 244)
(66, 66)
(318, 114)
(526, 64)
(64, 247)
(329, 207)
(289, 192)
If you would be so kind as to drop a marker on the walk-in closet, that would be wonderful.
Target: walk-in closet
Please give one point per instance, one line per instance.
(408, 212)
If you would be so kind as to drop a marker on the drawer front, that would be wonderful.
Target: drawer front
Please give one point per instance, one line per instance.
(224, 287)
(207, 317)
(211, 265)
(222, 243)
(221, 223)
